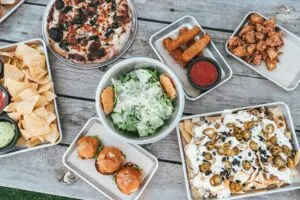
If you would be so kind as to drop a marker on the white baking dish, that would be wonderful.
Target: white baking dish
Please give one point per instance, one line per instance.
(287, 73)
(286, 112)
(105, 184)
(17, 149)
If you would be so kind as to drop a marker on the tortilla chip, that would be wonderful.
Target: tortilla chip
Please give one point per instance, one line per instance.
(35, 125)
(14, 87)
(53, 136)
(48, 95)
(12, 107)
(46, 87)
(50, 107)
(21, 141)
(43, 113)
(42, 101)
(15, 116)
(34, 141)
(31, 57)
(26, 106)
(38, 80)
(11, 71)
(27, 93)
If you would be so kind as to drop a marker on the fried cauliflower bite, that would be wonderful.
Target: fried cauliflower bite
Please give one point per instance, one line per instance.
(234, 42)
(168, 86)
(87, 147)
(107, 100)
(240, 51)
(255, 18)
(128, 179)
(109, 160)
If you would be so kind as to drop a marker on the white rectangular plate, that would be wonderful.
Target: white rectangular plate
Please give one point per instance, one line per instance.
(156, 42)
(287, 72)
(21, 149)
(287, 115)
(105, 184)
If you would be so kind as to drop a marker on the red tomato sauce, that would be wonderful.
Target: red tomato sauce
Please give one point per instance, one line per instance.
(2, 100)
(204, 73)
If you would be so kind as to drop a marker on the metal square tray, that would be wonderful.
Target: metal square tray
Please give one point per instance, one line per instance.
(156, 42)
(287, 115)
(21, 149)
(105, 184)
(287, 73)
(8, 10)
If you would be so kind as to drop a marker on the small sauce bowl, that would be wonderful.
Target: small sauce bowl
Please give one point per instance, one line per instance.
(203, 73)
(11, 145)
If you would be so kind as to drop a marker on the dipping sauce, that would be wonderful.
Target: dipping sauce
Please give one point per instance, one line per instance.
(3, 100)
(203, 73)
(7, 133)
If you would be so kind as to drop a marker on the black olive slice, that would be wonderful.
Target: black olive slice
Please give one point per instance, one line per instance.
(56, 34)
(59, 4)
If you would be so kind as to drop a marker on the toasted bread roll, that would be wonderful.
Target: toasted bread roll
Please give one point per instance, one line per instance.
(167, 85)
(107, 100)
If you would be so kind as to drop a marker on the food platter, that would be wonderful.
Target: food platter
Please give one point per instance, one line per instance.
(20, 149)
(289, 122)
(9, 9)
(286, 75)
(85, 169)
(90, 65)
(156, 42)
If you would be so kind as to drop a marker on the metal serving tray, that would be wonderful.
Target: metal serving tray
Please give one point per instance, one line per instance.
(156, 42)
(287, 73)
(21, 149)
(90, 65)
(105, 184)
(9, 9)
(287, 115)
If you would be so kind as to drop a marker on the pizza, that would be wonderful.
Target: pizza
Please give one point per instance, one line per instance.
(89, 31)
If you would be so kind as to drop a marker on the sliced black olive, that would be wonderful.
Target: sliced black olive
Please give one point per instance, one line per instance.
(94, 37)
(59, 4)
(115, 25)
(64, 45)
(56, 34)
(67, 9)
(109, 32)
(113, 5)
(100, 53)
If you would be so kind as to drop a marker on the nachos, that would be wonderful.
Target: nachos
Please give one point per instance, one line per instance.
(238, 152)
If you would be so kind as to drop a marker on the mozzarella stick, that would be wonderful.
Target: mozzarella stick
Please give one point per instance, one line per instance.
(183, 30)
(184, 38)
(176, 54)
(196, 48)
(189, 43)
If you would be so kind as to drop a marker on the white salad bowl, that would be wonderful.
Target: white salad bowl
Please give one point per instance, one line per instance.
(122, 68)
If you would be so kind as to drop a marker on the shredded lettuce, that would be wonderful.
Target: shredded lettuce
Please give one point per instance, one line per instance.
(141, 106)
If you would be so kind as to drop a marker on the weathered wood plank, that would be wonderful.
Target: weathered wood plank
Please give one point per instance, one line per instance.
(213, 13)
(42, 171)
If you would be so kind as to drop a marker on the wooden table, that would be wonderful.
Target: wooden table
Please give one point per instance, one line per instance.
(43, 171)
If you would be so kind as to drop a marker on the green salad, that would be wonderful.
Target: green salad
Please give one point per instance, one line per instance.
(141, 104)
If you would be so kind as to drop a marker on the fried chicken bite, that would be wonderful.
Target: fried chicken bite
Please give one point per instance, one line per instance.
(240, 51)
(255, 18)
(109, 160)
(259, 40)
(128, 178)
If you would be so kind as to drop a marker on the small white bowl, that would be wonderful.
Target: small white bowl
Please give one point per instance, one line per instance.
(126, 66)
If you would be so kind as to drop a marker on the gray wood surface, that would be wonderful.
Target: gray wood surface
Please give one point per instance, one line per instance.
(42, 170)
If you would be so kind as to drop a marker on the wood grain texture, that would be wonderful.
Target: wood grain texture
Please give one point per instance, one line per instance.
(224, 14)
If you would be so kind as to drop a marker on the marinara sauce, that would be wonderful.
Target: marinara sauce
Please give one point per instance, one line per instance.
(203, 73)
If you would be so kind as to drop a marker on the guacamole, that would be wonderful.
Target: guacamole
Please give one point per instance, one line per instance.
(7, 133)
(141, 104)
